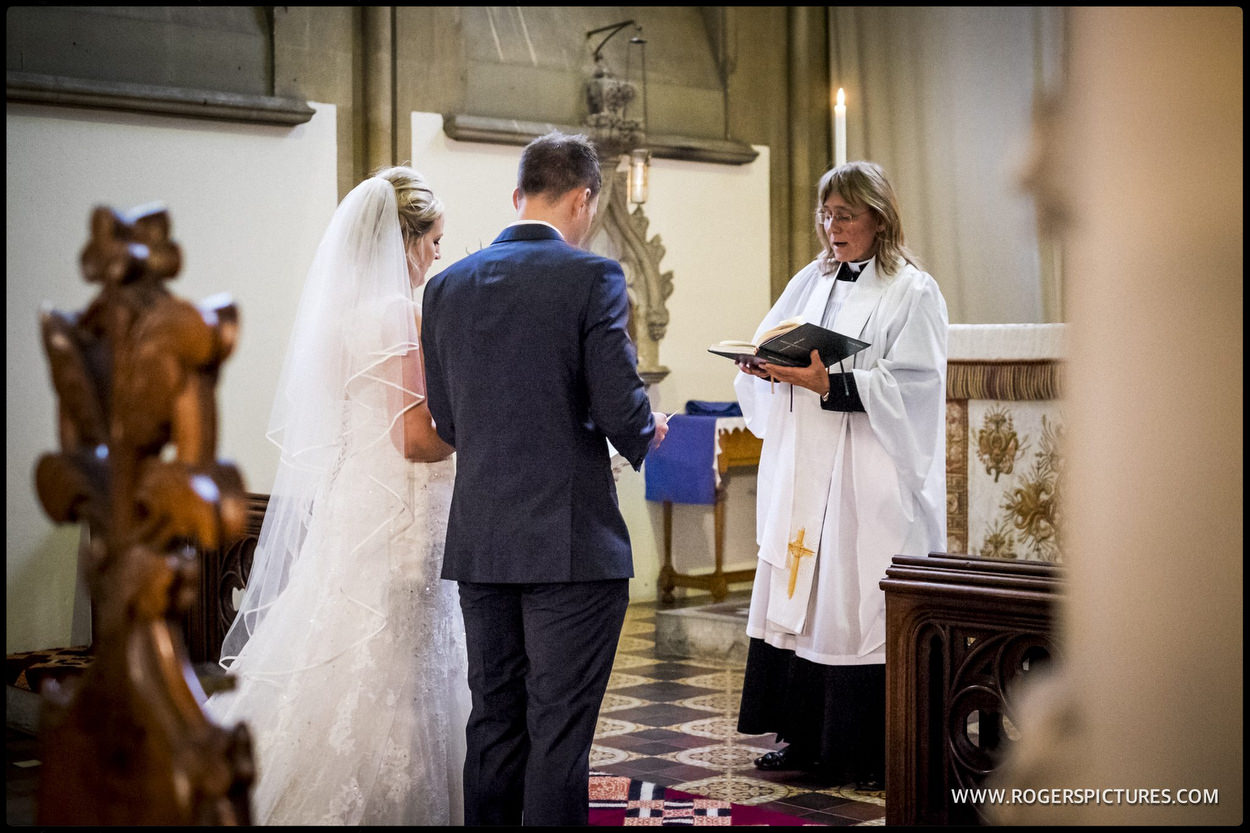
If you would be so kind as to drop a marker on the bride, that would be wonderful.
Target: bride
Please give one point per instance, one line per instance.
(348, 649)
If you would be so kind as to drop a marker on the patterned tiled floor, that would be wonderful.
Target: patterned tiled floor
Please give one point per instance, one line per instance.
(669, 722)
(673, 723)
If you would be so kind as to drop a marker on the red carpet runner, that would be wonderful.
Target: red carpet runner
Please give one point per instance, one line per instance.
(617, 801)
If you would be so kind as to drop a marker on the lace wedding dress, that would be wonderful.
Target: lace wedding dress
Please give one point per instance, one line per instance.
(348, 650)
(374, 735)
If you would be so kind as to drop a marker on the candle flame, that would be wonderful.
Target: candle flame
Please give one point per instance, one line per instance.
(841, 98)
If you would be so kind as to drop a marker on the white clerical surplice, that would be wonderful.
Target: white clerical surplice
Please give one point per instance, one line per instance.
(841, 493)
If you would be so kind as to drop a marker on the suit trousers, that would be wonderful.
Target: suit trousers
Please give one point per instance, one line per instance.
(539, 660)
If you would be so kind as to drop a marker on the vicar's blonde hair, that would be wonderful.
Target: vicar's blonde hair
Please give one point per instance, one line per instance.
(865, 184)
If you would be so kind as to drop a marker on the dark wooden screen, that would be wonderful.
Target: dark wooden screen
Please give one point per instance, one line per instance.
(961, 633)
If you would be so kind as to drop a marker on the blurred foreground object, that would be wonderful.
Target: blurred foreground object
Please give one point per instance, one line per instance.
(135, 375)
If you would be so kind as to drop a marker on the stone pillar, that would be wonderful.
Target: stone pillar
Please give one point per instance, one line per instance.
(809, 131)
(377, 43)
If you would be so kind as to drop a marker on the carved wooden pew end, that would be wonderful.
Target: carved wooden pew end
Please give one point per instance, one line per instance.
(962, 632)
(135, 375)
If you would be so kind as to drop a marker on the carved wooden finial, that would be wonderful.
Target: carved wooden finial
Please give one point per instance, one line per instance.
(135, 375)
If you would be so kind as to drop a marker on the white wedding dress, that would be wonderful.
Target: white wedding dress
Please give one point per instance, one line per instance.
(348, 650)
(374, 735)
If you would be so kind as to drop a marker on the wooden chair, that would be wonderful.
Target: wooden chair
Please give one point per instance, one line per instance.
(739, 448)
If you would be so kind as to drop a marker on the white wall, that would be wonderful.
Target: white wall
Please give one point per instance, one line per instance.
(248, 204)
(713, 223)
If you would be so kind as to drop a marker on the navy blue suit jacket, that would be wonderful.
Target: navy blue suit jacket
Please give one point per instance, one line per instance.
(529, 368)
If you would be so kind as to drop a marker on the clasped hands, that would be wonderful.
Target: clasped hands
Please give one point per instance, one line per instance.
(814, 377)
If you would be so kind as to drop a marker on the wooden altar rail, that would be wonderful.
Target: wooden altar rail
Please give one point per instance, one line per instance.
(962, 632)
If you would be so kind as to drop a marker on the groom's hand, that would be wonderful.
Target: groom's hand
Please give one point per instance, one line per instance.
(661, 428)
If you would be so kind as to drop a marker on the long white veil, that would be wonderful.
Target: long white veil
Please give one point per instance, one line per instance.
(339, 493)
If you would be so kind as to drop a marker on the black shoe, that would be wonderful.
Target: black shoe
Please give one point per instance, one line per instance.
(787, 758)
(870, 783)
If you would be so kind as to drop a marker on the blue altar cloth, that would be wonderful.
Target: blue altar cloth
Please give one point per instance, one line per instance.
(683, 468)
(699, 407)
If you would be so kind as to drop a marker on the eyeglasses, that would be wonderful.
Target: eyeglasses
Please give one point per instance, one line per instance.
(841, 217)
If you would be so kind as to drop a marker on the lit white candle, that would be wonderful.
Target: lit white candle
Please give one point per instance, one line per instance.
(839, 129)
(639, 165)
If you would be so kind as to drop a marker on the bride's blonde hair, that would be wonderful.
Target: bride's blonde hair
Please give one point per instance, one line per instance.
(418, 207)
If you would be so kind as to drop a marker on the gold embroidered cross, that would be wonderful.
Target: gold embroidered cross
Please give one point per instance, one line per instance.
(797, 551)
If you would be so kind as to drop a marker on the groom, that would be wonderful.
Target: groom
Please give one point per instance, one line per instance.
(530, 373)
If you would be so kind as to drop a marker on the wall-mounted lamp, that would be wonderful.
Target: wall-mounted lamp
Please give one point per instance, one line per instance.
(608, 98)
(639, 170)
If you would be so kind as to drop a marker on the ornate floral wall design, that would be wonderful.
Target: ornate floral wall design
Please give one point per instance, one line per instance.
(1033, 506)
(1004, 460)
(998, 445)
(1013, 494)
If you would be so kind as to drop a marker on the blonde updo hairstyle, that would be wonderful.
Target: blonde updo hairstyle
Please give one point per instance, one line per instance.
(863, 184)
(417, 205)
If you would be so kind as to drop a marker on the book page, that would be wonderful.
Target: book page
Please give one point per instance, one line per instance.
(782, 327)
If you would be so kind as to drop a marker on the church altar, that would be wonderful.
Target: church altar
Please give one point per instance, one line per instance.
(1004, 437)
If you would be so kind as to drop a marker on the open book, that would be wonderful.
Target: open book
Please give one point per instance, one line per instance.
(790, 343)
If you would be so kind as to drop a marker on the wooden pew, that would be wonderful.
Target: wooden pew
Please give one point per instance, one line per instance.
(962, 632)
(223, 574)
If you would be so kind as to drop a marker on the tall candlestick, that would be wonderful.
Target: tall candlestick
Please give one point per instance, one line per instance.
(839, 129)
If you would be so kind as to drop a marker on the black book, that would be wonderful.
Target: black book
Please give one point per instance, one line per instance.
(790, 344)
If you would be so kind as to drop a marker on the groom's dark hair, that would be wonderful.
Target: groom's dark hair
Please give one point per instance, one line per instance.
(557, 163)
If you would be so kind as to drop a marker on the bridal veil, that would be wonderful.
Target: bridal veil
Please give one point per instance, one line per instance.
(341, 481)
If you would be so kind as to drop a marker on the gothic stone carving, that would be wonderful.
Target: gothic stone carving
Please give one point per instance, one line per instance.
(649, 288)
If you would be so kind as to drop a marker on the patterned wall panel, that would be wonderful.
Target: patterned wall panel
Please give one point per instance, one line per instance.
(1004, 442)
(1014, 465)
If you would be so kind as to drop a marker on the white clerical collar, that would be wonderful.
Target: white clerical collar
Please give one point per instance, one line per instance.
(537, 222)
